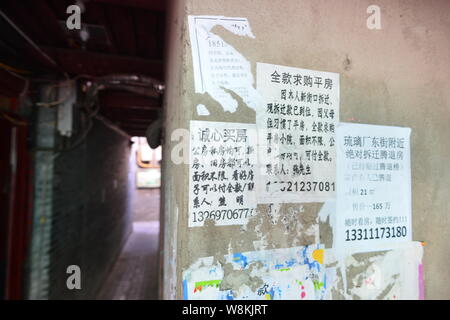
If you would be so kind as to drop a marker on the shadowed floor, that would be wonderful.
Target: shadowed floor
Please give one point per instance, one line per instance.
(135, 273)
(134, 276)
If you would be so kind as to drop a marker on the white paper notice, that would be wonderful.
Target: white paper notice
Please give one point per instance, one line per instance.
(373, 196)
(217, 65)
(221, 172)
(296, 134)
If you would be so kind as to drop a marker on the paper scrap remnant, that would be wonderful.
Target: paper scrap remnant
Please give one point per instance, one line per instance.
(217, 65)
(421, 283)
(391, 275)
(373, 200)
(221, 172)
(290, 273)
(296, 134)
(202, 110)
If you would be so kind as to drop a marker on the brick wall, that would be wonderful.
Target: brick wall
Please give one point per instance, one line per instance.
(91, 216)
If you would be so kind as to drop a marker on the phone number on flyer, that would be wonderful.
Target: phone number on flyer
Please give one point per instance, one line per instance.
(225, 214)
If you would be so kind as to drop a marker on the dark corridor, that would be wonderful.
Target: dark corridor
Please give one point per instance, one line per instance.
(71, 99)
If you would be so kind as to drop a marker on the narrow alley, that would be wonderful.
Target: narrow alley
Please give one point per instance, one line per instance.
(135, 273)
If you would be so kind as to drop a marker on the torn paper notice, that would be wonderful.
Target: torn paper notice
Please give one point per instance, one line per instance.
(373, 200)
(296, 134)
(221, 172)
(218, 67)
(289, 273)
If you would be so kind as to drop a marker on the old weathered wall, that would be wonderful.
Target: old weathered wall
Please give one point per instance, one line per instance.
(396, 76)
(172, 192)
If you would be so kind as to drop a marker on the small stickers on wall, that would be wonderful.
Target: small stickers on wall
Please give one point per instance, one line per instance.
(373, 200)
(221, 172)
(296, 134)
(296, 273)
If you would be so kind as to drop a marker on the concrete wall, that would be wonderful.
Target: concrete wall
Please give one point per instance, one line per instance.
(395, 76)
(173, 177)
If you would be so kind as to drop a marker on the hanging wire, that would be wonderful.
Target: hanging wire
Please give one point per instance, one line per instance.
(12, 120)
(12, 69)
